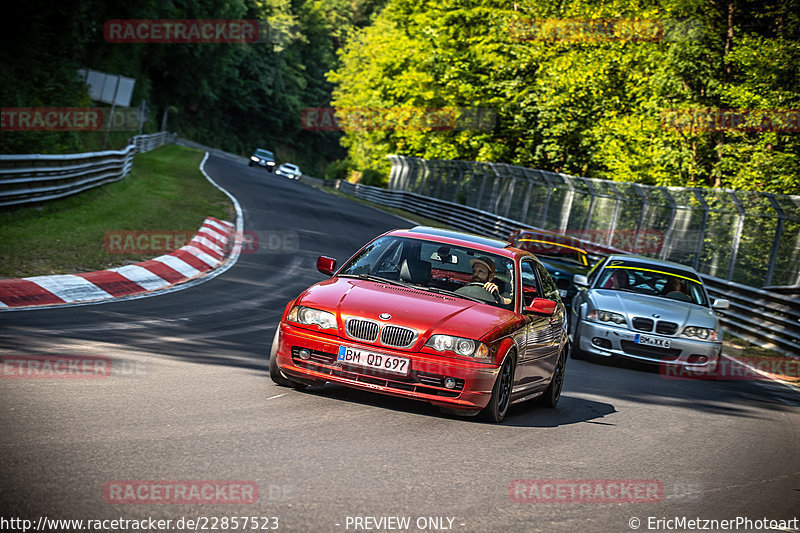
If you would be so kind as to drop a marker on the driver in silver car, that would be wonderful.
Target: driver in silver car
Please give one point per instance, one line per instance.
(483, 272)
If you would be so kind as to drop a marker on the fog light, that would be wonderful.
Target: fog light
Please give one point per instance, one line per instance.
(602, 343)
(449, 383)
(697, 359)
(304, 354)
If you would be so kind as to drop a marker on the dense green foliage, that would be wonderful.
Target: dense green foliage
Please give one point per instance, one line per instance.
(231, 96)
(590, 107)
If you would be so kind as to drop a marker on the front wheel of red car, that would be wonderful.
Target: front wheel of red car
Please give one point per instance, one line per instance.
(497, 408)
(553, 391)
(275, 372)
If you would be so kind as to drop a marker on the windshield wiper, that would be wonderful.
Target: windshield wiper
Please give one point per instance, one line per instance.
(377, 279)
(451, 293)
(445, 292)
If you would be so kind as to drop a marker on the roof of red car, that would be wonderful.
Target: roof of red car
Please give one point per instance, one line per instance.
(457, 238)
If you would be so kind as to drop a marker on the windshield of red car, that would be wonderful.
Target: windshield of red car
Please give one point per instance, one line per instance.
(435, 266)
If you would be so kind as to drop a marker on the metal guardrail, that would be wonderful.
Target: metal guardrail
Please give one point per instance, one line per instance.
(762, 317)
(180, 141)
(771, 320)
(748, 237)
(145, 143)
(33, 178)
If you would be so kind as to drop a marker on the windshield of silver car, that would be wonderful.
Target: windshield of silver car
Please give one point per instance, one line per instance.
(652, 280)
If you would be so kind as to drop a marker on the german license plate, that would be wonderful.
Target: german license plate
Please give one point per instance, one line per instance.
(652, 341)
(375, 361)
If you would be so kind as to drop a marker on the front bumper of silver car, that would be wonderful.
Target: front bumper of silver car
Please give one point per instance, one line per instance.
(613, 340)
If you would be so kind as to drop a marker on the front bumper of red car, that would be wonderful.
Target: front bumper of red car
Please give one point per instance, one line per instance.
(312, 357)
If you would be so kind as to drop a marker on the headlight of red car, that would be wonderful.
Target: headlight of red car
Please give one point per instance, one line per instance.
(459, 346)
(312, 317)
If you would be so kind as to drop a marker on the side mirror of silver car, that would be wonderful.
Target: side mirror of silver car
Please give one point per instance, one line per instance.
(721, 303)
(580, 280)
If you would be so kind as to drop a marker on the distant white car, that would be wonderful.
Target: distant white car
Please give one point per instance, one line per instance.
(289, 170)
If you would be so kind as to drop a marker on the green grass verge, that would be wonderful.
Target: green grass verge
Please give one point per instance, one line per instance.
(164, 192)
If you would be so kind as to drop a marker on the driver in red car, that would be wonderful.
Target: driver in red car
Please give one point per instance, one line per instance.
(483, 272)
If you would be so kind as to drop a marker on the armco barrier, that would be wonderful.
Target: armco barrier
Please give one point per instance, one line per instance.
(771, 320)
(749, 237)
(33, 178)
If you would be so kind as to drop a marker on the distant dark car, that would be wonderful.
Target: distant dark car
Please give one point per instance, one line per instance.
(263, 158)
(561, 255)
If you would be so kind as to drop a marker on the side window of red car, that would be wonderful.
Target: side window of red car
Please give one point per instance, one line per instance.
(549, 286)
(530, 285)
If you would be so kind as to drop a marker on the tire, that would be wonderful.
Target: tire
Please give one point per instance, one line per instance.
(574, 351)
(553, 391)
(275, 372)
(495, 411)
(250, 164)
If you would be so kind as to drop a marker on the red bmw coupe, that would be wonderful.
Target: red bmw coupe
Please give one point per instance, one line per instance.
(467, 323)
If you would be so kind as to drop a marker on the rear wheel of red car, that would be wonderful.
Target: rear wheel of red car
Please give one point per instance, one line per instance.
(275, 372)
(553, 391)
(497, 408)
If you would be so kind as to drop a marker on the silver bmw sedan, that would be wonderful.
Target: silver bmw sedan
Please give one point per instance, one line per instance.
(646, 309)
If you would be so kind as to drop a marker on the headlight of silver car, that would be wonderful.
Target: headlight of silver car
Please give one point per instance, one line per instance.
(599, 315)
(458, 345)
(312, 317)
(704, 334)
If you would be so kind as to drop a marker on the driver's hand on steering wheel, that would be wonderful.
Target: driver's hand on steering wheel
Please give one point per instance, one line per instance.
(491, 288)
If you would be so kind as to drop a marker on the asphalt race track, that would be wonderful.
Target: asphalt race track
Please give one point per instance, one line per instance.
(189, 399)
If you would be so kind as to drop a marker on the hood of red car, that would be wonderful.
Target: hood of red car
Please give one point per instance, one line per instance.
(423, 311)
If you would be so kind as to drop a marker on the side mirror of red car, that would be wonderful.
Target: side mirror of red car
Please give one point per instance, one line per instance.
(541, 306)
(326, 265)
